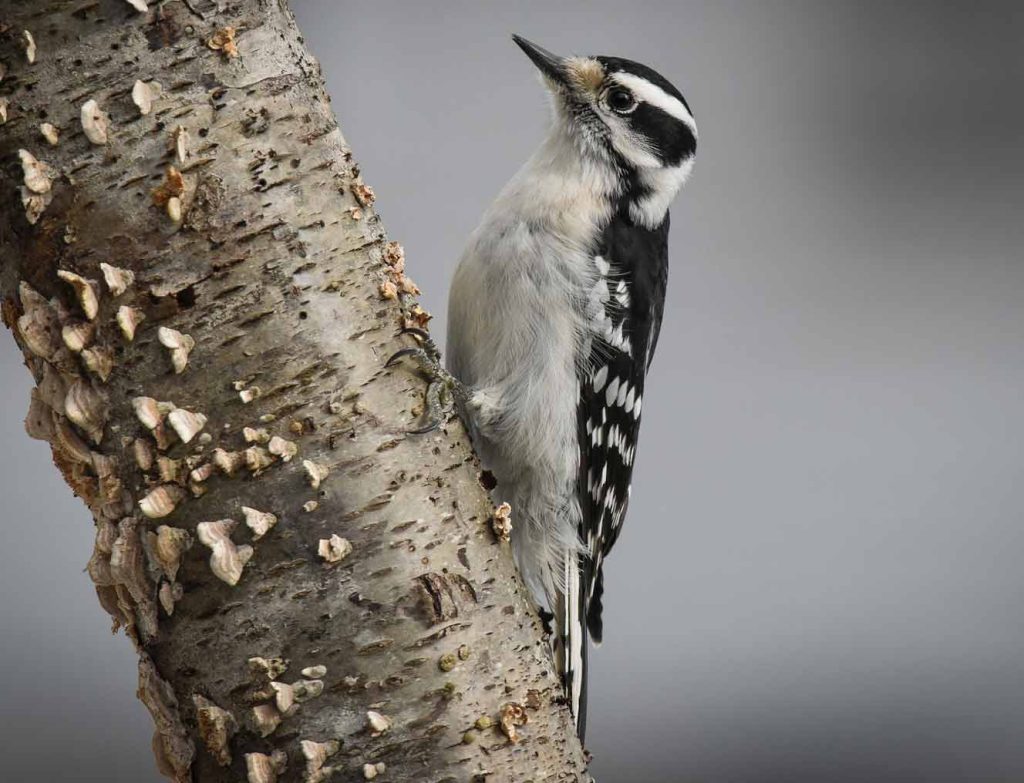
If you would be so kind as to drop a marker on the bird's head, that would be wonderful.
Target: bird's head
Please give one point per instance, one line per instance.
(625, 115)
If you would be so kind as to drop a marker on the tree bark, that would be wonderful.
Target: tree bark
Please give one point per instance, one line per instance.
(205, 298)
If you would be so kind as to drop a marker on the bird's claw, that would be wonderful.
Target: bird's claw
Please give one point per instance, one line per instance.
(424, 339)
(443, 388)
(393, 359)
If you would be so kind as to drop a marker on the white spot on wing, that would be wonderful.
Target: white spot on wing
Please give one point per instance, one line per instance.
(615, 336)
(611, 392)
(622, 293)
(630, 400)
(621, 399)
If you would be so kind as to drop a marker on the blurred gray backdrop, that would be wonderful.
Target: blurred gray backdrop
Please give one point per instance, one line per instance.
(820, 578)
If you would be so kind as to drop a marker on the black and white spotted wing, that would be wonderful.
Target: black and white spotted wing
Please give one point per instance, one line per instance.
(626, 311)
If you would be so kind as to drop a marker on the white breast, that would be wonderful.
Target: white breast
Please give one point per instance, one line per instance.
(517, 328)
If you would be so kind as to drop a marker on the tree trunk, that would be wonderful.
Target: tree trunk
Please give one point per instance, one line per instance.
(205, 298)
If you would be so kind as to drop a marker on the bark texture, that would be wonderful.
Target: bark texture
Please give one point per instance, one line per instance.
(205, 297)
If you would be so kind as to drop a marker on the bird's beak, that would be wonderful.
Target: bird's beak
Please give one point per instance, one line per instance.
(551, 65)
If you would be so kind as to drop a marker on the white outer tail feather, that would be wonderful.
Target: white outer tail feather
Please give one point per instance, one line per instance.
(572, 635)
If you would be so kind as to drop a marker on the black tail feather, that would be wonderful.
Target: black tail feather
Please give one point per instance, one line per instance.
(581, 717)
(594, 609)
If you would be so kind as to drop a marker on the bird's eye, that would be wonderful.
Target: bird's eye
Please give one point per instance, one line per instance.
(621, 101)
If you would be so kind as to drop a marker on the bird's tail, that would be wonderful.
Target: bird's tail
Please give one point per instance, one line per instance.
(571, 627)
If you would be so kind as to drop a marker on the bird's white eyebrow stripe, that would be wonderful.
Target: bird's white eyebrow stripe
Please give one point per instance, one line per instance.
(655, 96)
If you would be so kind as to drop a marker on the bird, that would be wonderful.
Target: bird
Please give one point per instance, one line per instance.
(554, 314)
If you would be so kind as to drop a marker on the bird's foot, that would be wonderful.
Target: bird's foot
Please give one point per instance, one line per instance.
(443, 388)
(426, 342)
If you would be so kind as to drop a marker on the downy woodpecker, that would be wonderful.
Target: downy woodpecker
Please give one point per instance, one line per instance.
(553, 317)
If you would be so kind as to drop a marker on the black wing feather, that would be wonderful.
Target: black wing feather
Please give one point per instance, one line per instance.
(611, 393)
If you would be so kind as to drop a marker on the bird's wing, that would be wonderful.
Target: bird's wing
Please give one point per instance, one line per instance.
(624, 310)
(626, 314)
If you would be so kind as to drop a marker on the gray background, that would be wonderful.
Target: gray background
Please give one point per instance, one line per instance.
(820, 577)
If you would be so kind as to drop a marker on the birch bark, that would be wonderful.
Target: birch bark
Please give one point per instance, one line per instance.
(205, 298)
